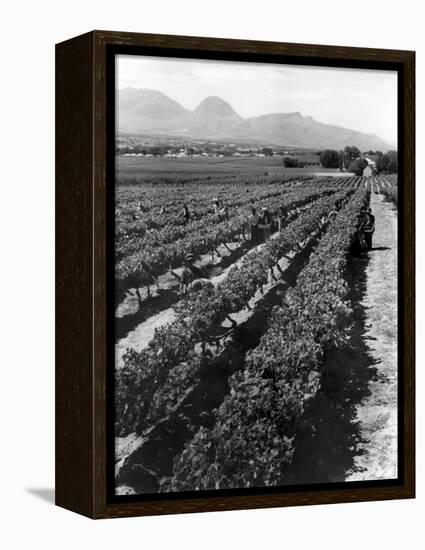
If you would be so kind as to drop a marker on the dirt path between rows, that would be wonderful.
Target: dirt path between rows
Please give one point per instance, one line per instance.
(348, 431)
(140, 337)
(152, 454)
(136, 326)
(377, 414)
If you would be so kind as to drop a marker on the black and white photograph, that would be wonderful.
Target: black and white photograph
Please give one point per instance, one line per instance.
(256, 275)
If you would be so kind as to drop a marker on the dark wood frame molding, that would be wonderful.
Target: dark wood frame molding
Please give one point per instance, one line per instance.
(81, 282)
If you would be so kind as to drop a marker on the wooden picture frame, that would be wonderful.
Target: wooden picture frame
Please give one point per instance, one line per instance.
(83, 166)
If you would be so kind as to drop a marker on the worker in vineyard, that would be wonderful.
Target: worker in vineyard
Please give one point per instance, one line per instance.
(368, 228)
(281, 218)
(254, 219)
(369, 211)
(188, 260)
(264, 224)
(268, 219)
(185, 214)
(358, 245)
(224, 213)
(216, 205)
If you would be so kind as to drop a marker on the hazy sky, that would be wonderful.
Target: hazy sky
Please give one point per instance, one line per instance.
(364, 100)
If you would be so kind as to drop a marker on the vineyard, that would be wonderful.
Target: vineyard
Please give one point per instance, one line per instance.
(213, 378)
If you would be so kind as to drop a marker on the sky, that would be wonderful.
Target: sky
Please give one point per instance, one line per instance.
(363, 100)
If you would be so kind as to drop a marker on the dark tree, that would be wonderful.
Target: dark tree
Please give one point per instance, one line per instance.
(358, 165)
(391, 162)
(290, 162)
(350, 153)
(329, 158)
(380, 162)
(387, 162)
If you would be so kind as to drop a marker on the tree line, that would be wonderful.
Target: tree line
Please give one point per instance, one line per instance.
(352, 160)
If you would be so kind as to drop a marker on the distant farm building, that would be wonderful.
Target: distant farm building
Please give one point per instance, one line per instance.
(370, 168)
(368, 171)
(370, 162)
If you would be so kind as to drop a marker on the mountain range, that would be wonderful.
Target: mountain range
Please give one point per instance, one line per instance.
(148, 111)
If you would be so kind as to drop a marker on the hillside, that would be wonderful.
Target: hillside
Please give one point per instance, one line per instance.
(150, 111)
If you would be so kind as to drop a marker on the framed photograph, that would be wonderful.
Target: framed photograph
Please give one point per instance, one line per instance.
(235, 274)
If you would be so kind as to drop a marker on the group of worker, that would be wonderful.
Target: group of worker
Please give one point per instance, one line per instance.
(362, 241)
(220, 210)
(263, 223)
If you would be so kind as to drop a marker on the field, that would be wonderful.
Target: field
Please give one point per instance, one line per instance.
(152, 167)
(229, 363)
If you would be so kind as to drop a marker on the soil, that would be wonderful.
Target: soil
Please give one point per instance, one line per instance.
(141, 330)
(349, 430)
(136, 322)
(142, 460)
(377, 414)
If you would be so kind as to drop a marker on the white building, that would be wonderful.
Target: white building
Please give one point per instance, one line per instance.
(368, 171)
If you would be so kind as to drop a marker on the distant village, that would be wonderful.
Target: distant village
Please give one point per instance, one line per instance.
(179, 148)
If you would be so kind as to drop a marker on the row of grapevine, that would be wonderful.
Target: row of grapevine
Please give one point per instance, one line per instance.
(253, 435)
(389, 189)
(131, 220)
(179, 183)
(137, 269)
(132, 225)
(187, 375)
(172, 231)
(199, 314)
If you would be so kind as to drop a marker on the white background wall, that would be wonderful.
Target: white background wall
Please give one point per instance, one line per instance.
(29, 31)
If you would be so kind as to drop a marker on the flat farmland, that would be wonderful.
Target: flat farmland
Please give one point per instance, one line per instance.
(150, 167)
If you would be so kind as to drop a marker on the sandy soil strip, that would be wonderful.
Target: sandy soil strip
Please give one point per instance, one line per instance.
(139, 338)
(377, 454)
